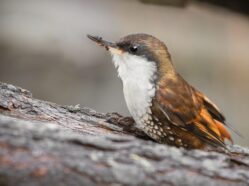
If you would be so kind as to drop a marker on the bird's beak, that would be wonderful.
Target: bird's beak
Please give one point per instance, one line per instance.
(112, 47)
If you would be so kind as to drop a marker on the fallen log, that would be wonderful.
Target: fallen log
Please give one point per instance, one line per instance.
(42, 143)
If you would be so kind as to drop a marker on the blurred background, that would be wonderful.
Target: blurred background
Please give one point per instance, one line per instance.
(43, 48)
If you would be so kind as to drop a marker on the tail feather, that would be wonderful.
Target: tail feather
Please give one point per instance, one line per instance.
(223, 131)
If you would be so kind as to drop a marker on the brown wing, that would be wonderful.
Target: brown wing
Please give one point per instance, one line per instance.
(183, 107)
(217, 116)
(212, 108)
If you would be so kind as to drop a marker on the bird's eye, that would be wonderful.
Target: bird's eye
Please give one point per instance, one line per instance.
(133, 49)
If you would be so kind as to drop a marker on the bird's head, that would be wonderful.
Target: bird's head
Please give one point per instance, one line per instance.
(137, 55)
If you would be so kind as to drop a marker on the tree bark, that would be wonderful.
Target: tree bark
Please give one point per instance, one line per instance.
(43, 143)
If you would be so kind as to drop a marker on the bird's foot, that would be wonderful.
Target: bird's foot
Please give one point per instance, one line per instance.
(117, 119)
(127, 123)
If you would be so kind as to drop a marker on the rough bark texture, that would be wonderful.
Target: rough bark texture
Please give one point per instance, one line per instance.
(43, 143)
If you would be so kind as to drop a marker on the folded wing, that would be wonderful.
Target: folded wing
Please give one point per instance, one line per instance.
(187, 108)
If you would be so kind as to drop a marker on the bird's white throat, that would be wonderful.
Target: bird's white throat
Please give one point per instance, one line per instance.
(138, 76)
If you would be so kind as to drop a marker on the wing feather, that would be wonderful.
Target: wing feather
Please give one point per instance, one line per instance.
(182, 107)
(211, 107)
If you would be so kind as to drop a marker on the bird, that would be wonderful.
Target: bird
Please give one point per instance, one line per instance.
(164, 105)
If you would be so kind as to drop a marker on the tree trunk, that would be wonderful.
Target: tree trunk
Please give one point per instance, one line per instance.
(43, 143)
